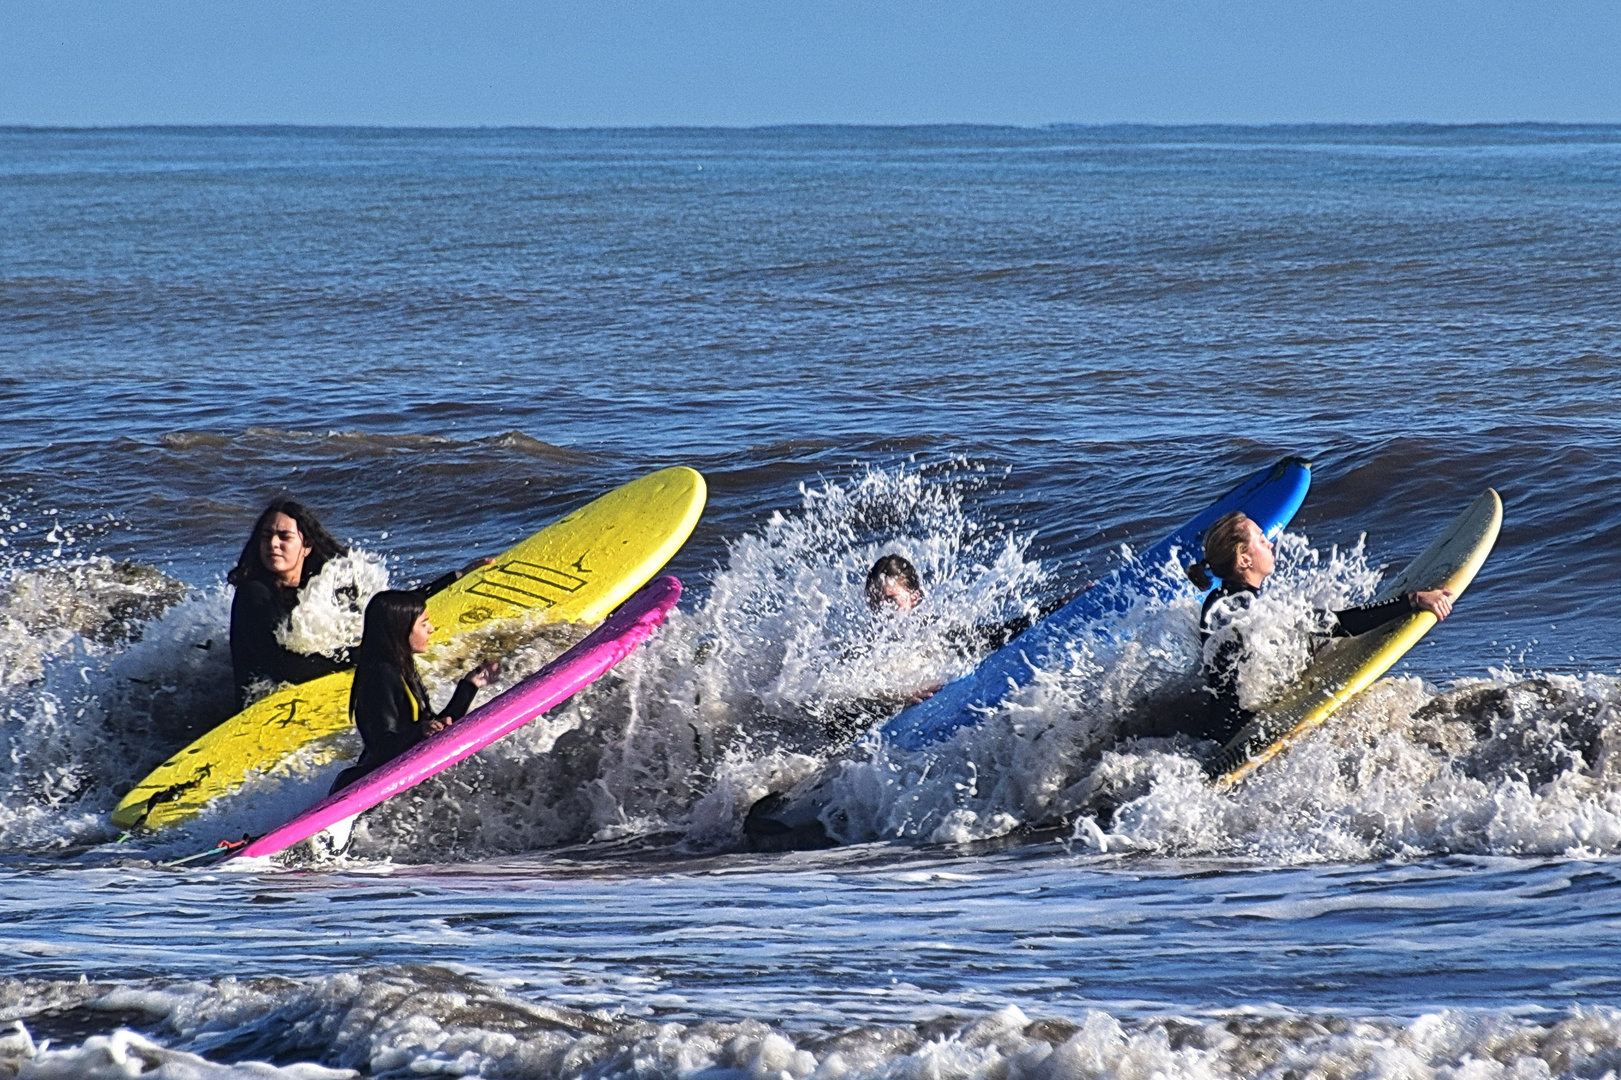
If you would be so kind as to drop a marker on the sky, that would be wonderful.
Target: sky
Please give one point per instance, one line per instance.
(758, 62)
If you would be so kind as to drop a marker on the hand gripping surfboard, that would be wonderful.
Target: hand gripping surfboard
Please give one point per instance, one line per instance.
(1270, 496)
(1347, 666)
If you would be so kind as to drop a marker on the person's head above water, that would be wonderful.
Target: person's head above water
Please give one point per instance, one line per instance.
(893, 580)
(1235, 550)
(396, 628)
(287, 547)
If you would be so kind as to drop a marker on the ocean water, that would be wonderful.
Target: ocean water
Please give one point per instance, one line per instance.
(1013, 355)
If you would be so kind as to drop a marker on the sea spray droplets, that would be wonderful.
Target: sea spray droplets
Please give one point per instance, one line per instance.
(1403, 771)
(44, 608)
(100, 709)
(1279, 625)
(1025, 762)
(1512, 765)
(775, 671)
(108, 669)
(332, 604)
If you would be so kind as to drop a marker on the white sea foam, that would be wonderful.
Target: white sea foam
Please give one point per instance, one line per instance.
(100, 712)
(125, 1054)
(777, 663)
(332, 604)
(107, 668)
(413, 1021)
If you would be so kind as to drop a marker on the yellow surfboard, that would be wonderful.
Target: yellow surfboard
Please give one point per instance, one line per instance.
(1347, 666)
(576, 570)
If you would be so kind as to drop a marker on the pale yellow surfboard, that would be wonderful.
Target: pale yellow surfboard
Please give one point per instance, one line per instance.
(1347, 666)
(576, 570)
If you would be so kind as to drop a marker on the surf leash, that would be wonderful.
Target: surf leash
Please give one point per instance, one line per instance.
(222, 851)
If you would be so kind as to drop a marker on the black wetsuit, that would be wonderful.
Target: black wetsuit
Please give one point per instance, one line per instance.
(1227, 717)
(391, 716)
(257, 610)
(256, 656)
(981, 641)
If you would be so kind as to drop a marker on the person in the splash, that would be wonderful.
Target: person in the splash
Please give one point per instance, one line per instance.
(387, 703)
(1238, 552)
(894, 587)
(287, 547)
(893, 583)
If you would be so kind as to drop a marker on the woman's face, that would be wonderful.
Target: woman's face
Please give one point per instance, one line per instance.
(421, 631)
(1258, 550)
(282, 549)
(897, 592)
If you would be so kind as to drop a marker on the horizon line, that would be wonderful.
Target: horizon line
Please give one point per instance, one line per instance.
(1253, 125)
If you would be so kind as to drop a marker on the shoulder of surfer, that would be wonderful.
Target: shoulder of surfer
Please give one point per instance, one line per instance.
(253, 594)
(1235, 596)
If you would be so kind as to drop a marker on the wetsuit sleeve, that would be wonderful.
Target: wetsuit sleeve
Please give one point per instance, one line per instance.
(255, 652)
(459, 701)
(979, 640)
(990, 638)
(1359, 620)
(441, 583)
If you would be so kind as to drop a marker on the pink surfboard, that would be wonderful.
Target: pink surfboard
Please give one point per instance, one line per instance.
(629, 626)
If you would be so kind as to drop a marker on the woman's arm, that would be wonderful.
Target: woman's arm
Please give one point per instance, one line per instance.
(445, 581)
(1359, 620)
(463, 697)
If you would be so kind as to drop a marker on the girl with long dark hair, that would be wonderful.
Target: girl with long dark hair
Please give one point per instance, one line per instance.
(387, 703)
(286, 548)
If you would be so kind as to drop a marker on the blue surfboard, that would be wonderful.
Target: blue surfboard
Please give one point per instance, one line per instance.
(1269, 496)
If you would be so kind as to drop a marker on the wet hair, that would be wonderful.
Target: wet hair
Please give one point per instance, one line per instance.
(1222, 541)
(250, 567)
(887, 569)
(386, 635)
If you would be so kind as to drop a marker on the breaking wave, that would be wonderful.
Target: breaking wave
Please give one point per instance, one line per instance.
(779, 668)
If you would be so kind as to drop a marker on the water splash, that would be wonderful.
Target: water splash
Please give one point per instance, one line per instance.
(781, 662)
(108, 667)
(332, 604)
